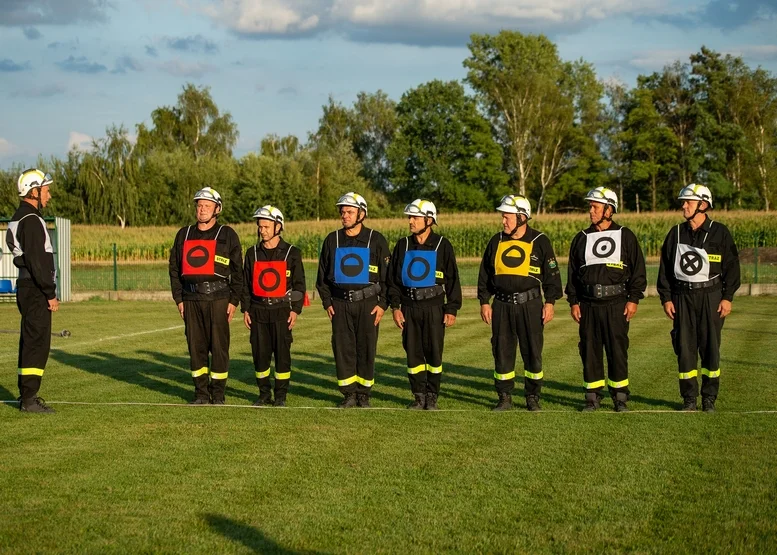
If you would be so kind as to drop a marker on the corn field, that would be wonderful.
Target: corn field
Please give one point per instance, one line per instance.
(469, 234)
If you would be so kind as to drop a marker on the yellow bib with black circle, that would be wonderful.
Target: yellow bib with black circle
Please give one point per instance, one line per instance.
(513, 258)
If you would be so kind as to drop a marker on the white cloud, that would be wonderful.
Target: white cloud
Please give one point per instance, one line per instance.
(417, 21)
(759, 52)
(655, 60)
(7, 148)
(81, 141)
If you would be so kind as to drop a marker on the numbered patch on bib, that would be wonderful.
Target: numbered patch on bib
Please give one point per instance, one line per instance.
(691, 264)
(269, 278)
(352, 265)
(199, 257)
(603, 247)
(419, 268)
(513, 258)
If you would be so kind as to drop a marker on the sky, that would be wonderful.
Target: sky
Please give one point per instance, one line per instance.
(71, 68)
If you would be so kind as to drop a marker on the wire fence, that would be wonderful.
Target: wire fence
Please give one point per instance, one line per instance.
(155, 277)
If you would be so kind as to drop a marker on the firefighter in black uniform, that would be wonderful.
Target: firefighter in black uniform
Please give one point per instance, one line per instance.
(351, 281)
(274, 291)
(605, 281)
(697, 279)
(206, 277)
(425, 295)
(516, 263)
(36, 294)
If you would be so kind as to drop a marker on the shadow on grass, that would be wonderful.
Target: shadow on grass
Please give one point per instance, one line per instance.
(252, 538)
(748, 364)
(6, 395)
(180, 366)
(138, 371)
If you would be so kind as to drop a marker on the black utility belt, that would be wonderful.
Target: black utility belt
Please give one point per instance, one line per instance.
(271, 301)
(685, 286)
(599, 291)
(424, 293)
(205, 287)
(519, 298)
(356, 295)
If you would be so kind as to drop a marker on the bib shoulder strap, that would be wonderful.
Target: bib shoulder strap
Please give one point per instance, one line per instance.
(217, 232)
(188, 229)
(287, 253)
(369, 240)
(537, 237)
(438, 244)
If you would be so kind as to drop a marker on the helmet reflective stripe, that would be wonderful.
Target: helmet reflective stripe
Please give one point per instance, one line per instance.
(603, 195)
(271, 213)
(421, 207)
(515, 204)
(32, 179)
(353, 199)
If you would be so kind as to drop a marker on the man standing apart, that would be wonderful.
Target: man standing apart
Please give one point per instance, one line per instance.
(275, 289)
(697, 279)
(517, 261)
(206, 277)
(36, 296)
(351, 281)
(422, 276)
(605, 281)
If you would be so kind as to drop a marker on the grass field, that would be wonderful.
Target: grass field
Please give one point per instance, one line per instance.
(113, 473)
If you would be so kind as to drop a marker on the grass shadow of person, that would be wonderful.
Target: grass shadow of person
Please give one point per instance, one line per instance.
(135, 371)
(252, 538)
(6, 395)
(181, 363)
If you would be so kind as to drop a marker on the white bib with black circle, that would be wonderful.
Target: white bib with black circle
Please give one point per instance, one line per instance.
(603, 247)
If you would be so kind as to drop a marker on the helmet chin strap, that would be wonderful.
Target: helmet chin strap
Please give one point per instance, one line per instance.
(605, 217)
(426, 226)
(698, 210)
(520, 221)
(358, 220)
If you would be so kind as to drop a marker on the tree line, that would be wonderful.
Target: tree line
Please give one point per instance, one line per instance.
(527, 122)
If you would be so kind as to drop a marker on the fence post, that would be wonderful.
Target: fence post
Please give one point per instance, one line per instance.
(115, 270)
(755, 259)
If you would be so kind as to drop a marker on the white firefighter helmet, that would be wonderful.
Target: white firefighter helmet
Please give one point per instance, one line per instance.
(271, 213)
(32, 179)
(424, 208)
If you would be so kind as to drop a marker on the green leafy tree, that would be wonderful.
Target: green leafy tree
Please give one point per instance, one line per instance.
(444, 150)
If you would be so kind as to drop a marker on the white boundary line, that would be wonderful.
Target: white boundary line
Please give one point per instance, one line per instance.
(67, 346)
(484, 411)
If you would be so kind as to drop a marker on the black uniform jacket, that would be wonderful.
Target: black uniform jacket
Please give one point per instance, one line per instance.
(630, 270)
(447, 272)
(713, 237)
(28, 239)
(228, 264)
(295, 272)
(379, 259)
(543, 269)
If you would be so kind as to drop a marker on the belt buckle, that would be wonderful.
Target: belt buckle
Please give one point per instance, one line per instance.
(598, 293)
(349, 297)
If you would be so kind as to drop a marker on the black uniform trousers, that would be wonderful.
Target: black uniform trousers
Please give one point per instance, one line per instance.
(354, 342)
(514, 325)
(207, 335)
(696, 331)
(423, 336)
(603, 325)
(271, 336)
(34, 341)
